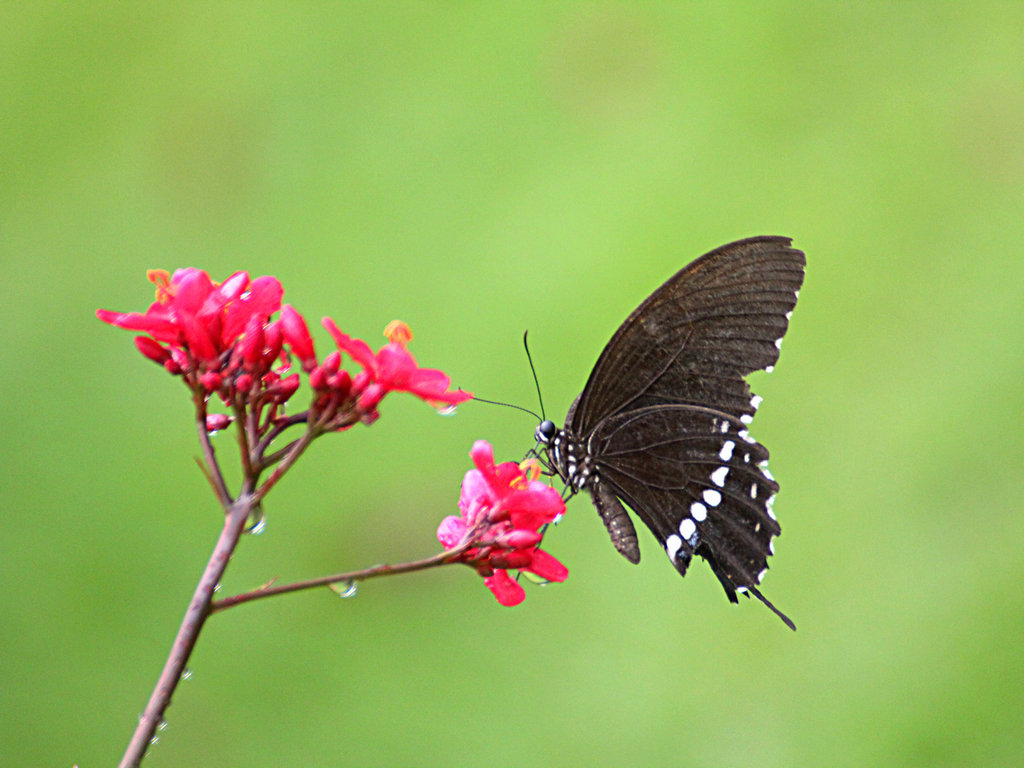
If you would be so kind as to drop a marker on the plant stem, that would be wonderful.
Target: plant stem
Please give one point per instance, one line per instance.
(443, 558)
(188, 633)
(212, 470)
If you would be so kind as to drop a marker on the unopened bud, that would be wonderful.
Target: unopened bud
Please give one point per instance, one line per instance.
(286, 388)
(217, 421)
(152, 349)
(252, 343)
(211, 381)
(296, 333)
(274, 342)
(370, 397)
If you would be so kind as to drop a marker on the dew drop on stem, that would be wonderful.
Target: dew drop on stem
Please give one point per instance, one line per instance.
(256, 522)
(344, 588)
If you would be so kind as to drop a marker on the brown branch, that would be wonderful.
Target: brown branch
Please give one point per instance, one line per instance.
(195, 616)
(443, 558)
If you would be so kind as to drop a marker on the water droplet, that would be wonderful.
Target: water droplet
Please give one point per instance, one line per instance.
(344, 588)
(448, 409)
(162, 725)
(256, 522)
(186, 673)
(155, 740)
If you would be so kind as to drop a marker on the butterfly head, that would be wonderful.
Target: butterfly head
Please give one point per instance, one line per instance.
(545, 432)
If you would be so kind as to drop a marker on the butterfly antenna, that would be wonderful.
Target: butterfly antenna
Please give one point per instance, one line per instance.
(536, 381)
(507, 405)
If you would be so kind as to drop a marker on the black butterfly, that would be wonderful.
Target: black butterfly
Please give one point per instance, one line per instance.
(661, 425)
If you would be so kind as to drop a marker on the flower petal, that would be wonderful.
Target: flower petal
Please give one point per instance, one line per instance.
(450, 531)
(505, 589)
(357, 349)
(547, 567)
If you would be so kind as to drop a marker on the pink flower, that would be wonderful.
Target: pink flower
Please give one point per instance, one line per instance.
(219, 336)
(393, 369)
(192, 312)
(502, 507)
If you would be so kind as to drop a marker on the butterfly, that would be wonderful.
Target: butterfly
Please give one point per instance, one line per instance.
(661, 426)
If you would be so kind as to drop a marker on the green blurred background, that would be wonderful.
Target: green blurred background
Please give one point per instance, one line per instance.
(477, 170)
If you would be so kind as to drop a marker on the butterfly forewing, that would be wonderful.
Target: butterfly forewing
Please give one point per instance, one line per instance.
(694, 338)
(661, 425)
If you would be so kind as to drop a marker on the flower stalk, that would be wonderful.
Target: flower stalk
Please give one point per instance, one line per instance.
(188, 633)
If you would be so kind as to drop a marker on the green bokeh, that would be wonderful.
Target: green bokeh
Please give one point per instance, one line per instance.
(476, 170)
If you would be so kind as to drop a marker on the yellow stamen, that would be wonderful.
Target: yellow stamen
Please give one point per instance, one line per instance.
(532, 469)
(398, 333)
(161, 278)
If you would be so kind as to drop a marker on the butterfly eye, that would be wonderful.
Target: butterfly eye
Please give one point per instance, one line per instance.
(545, 432)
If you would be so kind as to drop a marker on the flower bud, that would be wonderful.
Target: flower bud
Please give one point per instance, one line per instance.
(370, 397)
(318, 378)
(211, 381)
(252, 343)
(341, 382)
(274, 342)
(286, 388)
(217, 421)
(296, 333)
(332, 363)
(152, 349)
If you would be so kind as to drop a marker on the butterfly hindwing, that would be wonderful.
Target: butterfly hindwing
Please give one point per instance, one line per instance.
(695, 480)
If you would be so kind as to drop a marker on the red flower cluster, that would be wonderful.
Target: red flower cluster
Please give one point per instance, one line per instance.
(503, 507)
(221, 339)
(209, 332)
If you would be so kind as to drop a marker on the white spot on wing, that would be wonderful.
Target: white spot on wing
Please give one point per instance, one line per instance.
(726, 453)
(687, 528)
(699, 512)
(672, 546)
(712, 497)
(718, 476)
(761, 575)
